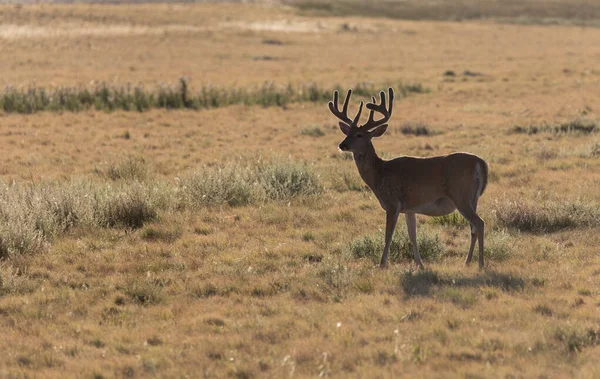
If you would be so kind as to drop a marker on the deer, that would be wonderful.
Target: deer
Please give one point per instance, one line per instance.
(431, 186)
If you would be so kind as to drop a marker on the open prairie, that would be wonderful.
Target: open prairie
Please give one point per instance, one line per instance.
(173, 202)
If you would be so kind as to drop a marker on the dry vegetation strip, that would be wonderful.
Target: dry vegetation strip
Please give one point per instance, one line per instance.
(137, 98)
(573, 12)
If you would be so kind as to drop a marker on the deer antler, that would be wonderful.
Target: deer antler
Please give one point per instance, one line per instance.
(381, 108)
(343, 114)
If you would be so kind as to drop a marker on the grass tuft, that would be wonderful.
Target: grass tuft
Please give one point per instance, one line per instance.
(131, 168)
(497, 246)
(241, 183)
(144, 292)
(130, 207)
(230, 184)
(546, 217)
(417, 130)
(312, 131)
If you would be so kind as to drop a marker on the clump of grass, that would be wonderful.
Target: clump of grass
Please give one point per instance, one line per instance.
(132, 168)
(576, 126)
(529, 130)
(31, 214)
(497, 245)
(240, 183)
(286, 180)
(418, 129)
(544, 310)
(336, 277)
(312, 131)
(231, 184)
(16, 239)
(130, 207)
(546, 153)
(574, 339)
(109, 97)
(13, 281)
(592, 151)
(144, 292)
(546, 217)
(371, 247)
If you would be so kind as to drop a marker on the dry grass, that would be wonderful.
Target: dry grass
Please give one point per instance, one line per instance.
(235, 241)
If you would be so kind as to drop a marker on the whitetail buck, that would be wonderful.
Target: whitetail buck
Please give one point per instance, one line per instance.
(433, 186)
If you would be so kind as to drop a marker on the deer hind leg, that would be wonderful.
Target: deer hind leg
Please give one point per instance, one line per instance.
(473, 237)
(411, 225)
(477, 225)
(391, 218)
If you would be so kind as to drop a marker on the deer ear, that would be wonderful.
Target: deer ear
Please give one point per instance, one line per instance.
(345, 128)
(379, 131)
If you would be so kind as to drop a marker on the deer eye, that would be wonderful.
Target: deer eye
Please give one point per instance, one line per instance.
(359, 135)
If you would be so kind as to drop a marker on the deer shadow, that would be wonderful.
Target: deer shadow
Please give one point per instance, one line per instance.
(422, 283)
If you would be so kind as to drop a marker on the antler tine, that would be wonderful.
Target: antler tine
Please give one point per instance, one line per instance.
(372, 112)
(382, 96)
(343, 114)
(346, 101)
(357, 117)
(381, 108)
(333, 107)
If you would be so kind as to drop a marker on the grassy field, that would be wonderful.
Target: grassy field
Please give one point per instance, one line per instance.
(219, 232)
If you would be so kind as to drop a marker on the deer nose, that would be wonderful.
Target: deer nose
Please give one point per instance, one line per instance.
(343, 146)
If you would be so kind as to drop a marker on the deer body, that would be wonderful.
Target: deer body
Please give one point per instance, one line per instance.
(432, 186)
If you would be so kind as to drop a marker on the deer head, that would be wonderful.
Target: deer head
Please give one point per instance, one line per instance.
(358, 138)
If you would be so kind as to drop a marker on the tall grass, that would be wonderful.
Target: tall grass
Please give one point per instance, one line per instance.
(248, 181)
(129, 97)
(32, 214)
(546, 217)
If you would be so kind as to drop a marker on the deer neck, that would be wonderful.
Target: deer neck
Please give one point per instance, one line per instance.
(369, 166)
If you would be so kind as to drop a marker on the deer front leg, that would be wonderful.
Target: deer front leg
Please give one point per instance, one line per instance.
(411, 225)
(391, 217)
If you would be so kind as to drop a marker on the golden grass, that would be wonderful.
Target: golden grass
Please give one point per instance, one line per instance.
(271, 289)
